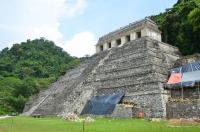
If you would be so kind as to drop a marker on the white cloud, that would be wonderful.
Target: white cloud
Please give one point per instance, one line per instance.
(75, 8)
(30, 19)
(81, 44)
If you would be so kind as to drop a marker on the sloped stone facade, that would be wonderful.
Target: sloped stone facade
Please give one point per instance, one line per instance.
(139, 68)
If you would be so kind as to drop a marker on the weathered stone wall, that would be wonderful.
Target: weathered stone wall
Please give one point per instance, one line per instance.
(185, 109)
(150, 103)
(122, 111)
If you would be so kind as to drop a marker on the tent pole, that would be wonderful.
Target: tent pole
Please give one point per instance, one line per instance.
(198, 90)
(170, 92)
(182, 92)
(174, 92)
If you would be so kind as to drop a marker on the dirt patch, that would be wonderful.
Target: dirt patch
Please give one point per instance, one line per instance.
(75, 118)
(183, 122)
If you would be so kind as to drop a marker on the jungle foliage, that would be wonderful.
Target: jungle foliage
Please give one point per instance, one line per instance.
(27, 68)
(180, 26)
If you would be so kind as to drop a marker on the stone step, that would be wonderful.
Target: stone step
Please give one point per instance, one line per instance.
(128, 62)
(135, 55)
(123, 72)
(128, 52)
(133, 88)
(129, 80)
(67, 89)
(128, 73)
(122, 65)
(142, 50)
(130, 48)
(72, 75)
(55, 89)
(127, 57)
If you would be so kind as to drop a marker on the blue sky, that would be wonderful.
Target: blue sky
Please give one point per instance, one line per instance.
(74, 25)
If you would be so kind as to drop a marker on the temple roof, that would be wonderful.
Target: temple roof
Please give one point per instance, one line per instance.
(129, 27)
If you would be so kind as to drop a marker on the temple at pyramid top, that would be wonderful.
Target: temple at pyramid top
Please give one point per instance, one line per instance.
(143, 28)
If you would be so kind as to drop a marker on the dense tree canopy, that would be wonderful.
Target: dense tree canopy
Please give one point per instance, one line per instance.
(180, 26)
(27, 68)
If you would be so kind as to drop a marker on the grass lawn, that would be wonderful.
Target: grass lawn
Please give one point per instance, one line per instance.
(28, 124)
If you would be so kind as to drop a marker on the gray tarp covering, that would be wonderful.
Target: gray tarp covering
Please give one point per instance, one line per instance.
(191, 76)
(102, 105)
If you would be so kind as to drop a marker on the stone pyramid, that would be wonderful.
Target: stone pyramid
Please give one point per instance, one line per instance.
(138, 67)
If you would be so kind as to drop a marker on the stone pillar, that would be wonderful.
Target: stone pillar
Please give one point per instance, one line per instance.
(145, 32)
(113, 43)
(154, 35)
(159, 38)
(151, 33)
(133, 36)
(105, 46)
(98, 49)
(123, 40)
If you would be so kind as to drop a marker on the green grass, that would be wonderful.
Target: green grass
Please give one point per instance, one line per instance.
(28, 124)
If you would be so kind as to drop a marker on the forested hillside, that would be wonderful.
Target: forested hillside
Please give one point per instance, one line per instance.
(180, 26)
(27, 68)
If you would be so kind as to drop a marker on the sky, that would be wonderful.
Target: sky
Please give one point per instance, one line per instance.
(74, 25)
